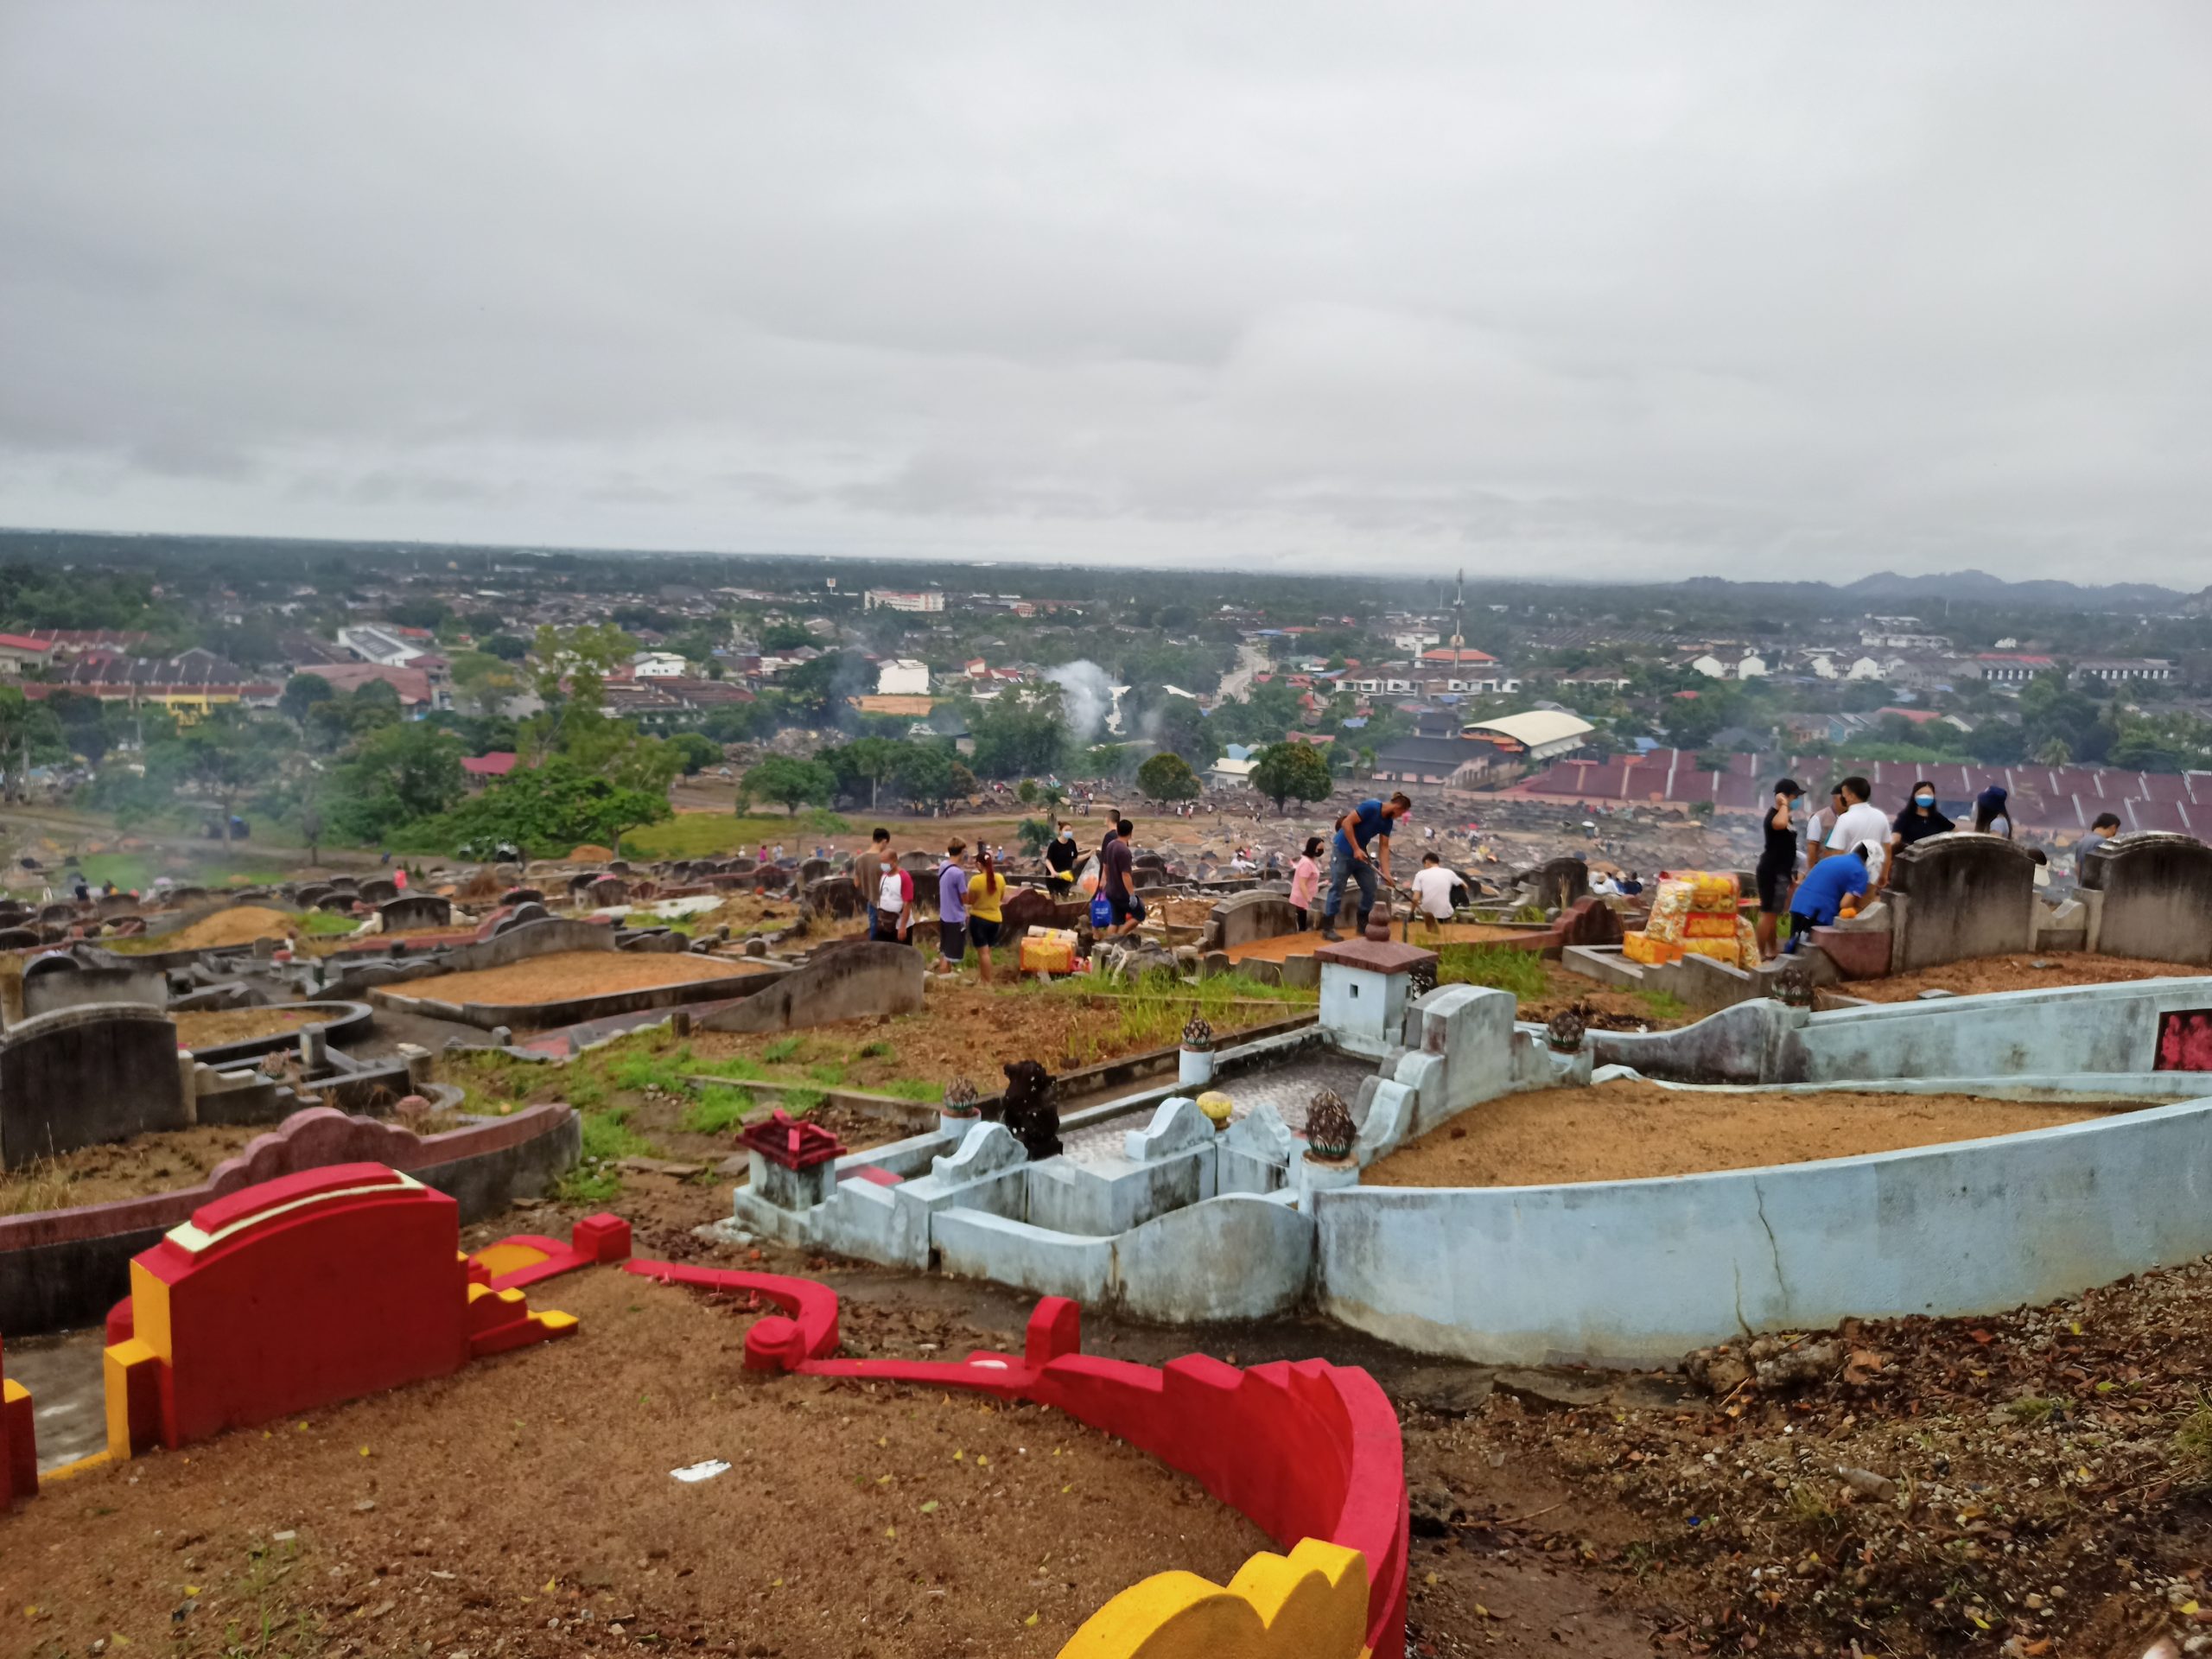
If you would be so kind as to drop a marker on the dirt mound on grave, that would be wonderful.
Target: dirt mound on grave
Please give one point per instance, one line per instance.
(241, 924)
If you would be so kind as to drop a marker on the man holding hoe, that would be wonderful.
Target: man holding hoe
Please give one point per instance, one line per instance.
(1355, 831)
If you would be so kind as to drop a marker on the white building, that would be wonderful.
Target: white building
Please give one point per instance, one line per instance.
(1541, 733)
(377, 645)
(658, 665)
(891, 599)
(902, 676)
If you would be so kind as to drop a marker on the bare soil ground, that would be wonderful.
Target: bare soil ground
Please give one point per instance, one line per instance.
(1603, 1008)
(575, 973)
(1629, 1131)
(965, 1030)
(1284, 945)
(2017, 973)
(212, 1028)
(240, 924)
(525, 1506)
(124, 1169)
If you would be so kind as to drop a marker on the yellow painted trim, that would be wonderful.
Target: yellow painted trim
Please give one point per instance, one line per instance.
(116, 1365)
(500, 1259)
(190, 1239)
(150, 1312)
(82, 1465)
(12, 1391)
(1309, 1604)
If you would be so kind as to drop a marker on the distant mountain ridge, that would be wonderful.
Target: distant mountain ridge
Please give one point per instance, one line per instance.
(1979, 586)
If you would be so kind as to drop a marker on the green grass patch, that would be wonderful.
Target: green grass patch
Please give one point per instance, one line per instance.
(718, 1110)
(1663, 1005)
(650, 1068)
(735, 1065)
(321, 923)
(878, 1050)
(607, 1135)
(588, 1186)
(799, 1101)
(1498, 966)
(586, 1093)
(917, 1089)
(828, 1073)
(782, 1049)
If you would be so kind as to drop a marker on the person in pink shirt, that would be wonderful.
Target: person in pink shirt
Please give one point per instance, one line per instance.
(1306, 882)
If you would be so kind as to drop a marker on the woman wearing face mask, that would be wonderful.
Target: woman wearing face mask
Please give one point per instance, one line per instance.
(1918, 822)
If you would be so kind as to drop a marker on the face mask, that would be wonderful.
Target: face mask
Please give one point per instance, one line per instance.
(1923, 800)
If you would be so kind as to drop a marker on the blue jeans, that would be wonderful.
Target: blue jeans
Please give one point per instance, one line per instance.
(1341, 865)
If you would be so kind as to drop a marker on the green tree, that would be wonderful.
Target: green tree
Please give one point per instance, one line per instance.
(1292, 771)
(301, 693)
(507, 647)
(868, 760)
(1014, 738)
(789, 782)
(817, 691)
(88, 726)
(695, 751)
(1183, 727)
(785, 636)
(545, 810)
(221, 758)
(924, 773)
(1167, 777)
(483, 682)
(401, 773)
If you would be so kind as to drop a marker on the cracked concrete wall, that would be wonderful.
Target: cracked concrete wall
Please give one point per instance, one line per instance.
(1640, 1272)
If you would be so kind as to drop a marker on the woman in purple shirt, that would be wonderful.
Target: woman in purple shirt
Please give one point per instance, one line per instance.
(952, 908)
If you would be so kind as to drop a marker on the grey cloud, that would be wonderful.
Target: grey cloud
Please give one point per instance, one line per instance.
(1625, 289)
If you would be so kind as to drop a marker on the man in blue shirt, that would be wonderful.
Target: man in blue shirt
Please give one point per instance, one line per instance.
(1355, 831)
(1820, 895)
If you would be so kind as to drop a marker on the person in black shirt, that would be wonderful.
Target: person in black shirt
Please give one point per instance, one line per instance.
(1778, 868)
(1919, 820)
(1059, 863)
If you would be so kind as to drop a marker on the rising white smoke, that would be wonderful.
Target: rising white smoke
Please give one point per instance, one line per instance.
(1086, 697)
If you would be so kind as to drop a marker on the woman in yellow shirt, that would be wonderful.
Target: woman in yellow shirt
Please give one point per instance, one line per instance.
(986, 888)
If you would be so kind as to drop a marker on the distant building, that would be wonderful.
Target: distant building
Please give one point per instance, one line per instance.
(412, 685)
(902, 676)
(19, 652)
(1232, 772)
(659, 666)
(2113, 670)
(928, 602)
(2011, 667)
(387, 646)
(1541, 735)
(187, 685)
(1454, 762)
(482, 769)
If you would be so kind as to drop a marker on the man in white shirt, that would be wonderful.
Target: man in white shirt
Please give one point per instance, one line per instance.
(1603, 886)
(1432, 892)
(1861, 820)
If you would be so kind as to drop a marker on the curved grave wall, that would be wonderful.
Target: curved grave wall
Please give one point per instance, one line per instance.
(65, 1267)
(1638, 1272)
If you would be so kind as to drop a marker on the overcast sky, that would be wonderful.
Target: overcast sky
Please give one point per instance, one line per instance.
(1624, 289)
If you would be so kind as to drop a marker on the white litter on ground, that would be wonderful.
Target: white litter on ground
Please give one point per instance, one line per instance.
(697, 1471)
